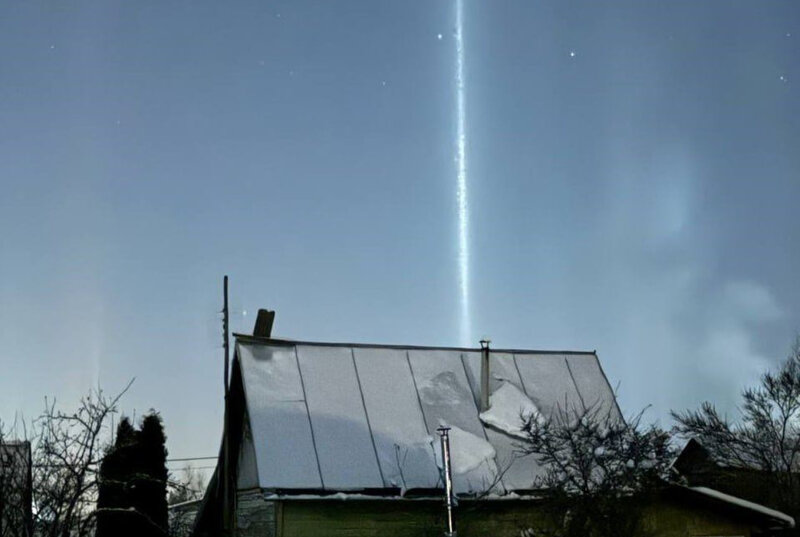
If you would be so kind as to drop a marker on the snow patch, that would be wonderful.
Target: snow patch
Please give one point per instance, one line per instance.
(467, 451)
(509, 409)
(444, 390)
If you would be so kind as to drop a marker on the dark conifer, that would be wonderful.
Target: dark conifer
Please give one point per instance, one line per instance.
(153, 485)
(114, 500)
(132, 498)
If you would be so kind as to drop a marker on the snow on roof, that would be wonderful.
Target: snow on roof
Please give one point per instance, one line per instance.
(473, 461)
(733, 500)
(348, 417)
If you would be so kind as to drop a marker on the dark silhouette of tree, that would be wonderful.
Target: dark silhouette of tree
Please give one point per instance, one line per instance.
(766, 438)
(60, 452)
(601, 472)
(126, 434)
(132, 497)
(152, 485)
(67, 451)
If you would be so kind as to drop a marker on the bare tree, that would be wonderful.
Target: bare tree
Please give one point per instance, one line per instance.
(765, 439)
(68, 448)
(189, 485)
(600, 471)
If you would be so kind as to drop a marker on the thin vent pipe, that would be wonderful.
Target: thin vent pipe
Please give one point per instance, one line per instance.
(448, 479)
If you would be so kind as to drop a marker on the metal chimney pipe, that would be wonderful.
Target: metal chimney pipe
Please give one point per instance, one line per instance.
(448, 479)
(485, 374)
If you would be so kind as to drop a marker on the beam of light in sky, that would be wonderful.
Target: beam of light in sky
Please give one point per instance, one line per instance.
(461, 166)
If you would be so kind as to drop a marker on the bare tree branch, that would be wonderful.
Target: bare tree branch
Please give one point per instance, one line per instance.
(766, 438)
(600, 470)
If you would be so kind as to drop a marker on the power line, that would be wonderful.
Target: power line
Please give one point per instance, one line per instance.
(186, 459)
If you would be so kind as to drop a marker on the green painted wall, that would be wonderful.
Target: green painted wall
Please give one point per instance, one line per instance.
(672, 519)
(359, 518)
(508, 518)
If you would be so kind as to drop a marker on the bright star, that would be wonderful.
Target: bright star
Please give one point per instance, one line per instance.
(439, 37)
(571, 53)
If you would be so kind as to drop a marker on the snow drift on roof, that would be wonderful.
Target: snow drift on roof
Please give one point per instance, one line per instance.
(467, 452)
(509, 410)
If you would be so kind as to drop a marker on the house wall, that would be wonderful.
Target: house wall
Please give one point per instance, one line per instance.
(360, 518)
(678, 519)
(255, 517)
(507, 518)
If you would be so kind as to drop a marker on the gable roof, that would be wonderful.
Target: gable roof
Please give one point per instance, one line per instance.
(354, 417)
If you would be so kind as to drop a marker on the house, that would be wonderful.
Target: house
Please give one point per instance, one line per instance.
(698, 467)
(332, 439)
(15, 489)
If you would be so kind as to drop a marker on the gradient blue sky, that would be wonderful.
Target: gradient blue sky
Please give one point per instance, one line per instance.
(638, 197)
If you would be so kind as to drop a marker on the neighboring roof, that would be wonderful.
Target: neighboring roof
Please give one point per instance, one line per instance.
(694, 456)
(355, 417)
(691, 454)
(781, 518)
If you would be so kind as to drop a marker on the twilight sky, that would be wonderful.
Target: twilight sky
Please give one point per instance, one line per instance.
(634, 177)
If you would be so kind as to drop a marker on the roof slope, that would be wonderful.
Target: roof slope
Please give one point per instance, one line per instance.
(779, 517)
(341, 417)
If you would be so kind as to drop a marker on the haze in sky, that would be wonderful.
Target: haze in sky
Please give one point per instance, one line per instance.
(634, 178)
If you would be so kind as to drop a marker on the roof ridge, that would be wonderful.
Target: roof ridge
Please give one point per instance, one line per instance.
(290, 342)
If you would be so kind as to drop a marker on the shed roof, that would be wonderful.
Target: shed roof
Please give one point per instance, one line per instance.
(354, 417)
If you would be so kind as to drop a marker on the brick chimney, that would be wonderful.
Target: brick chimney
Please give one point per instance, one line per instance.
(264, 320)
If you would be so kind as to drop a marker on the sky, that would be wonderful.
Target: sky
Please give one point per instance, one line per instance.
(632, 174)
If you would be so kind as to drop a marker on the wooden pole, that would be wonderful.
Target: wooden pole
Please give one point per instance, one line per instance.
(225, 331)
(224, 472)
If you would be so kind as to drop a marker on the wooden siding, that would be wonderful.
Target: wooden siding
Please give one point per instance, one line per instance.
(357, 518)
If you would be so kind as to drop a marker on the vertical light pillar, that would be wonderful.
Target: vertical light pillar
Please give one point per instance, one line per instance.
(461, 175)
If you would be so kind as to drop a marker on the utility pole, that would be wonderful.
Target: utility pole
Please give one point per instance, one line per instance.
(225, 330)
(224, 470)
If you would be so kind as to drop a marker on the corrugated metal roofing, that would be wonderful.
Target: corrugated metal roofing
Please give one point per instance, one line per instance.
(341, 417)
